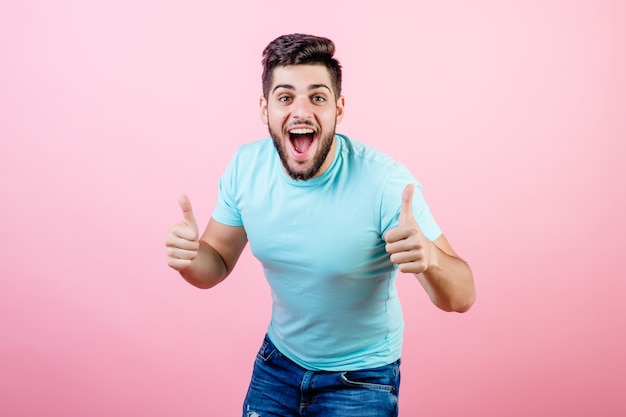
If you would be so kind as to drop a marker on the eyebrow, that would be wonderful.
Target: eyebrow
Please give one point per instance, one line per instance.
(311, 87)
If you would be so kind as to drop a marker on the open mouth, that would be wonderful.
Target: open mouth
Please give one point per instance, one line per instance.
(301, 140)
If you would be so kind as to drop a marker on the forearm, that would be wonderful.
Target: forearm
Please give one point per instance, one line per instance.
(207, 269)
(449, 282)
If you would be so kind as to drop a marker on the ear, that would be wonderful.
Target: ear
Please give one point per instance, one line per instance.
(340, 105)
(263, 109)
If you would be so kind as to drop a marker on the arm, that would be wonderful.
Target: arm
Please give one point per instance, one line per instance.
(203, 262)
(446, 278)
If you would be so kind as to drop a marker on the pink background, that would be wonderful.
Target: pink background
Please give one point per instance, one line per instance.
(512, 115)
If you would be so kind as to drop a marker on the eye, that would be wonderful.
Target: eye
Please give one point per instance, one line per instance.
(319, 99)
(284, 99)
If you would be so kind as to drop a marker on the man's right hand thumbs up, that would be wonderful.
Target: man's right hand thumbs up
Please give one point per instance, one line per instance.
(183, 240)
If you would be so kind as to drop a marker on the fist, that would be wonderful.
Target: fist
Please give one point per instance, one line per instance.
(406, 244)
(183, 241)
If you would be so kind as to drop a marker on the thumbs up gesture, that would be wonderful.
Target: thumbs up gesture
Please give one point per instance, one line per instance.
(406, 244)
(183, 241)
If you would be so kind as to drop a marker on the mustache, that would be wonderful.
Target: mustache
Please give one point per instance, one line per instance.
(300, 123)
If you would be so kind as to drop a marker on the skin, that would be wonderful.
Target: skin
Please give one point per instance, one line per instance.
(301, 97)
(447, 279)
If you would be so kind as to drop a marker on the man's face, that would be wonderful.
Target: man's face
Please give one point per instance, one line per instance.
(301, 112)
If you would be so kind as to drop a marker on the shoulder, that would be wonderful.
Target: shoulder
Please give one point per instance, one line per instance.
(252, 155)
(249, 160)
(254, 149)
(363, 153)
(373, 162)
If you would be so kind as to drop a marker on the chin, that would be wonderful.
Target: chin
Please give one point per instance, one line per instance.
(312, 166)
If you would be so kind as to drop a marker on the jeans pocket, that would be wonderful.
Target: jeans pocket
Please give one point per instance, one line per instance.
(267, 351)
(379, 379)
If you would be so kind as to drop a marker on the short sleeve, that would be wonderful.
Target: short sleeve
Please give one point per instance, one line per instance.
(226, 210)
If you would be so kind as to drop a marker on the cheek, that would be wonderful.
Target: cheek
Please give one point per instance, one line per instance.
(331, 119)
(276, 118)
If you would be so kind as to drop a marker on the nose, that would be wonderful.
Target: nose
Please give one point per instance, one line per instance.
(302, 108)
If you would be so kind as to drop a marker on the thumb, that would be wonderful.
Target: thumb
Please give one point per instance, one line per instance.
(185, 206)
(406, 211)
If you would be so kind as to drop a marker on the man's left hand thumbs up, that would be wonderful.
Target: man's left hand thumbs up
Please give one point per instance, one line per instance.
(406, 244)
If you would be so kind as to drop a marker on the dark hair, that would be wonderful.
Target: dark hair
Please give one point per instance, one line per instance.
(299, 49)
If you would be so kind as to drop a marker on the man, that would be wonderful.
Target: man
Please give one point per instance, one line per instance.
(332, 221)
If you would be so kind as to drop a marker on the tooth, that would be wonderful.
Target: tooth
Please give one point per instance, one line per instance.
(301, 131)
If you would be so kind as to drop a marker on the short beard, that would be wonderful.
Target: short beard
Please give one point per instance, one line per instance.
(326, 144)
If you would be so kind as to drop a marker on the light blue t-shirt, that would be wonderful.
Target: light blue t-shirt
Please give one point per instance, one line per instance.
(320, 242)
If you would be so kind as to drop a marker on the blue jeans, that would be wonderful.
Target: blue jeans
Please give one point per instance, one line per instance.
(281, 388)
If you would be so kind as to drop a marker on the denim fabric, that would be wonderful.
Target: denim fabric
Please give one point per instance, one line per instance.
(281, 388)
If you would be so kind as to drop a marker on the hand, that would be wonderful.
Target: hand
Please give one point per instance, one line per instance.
(183, 240)
(406, 244)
